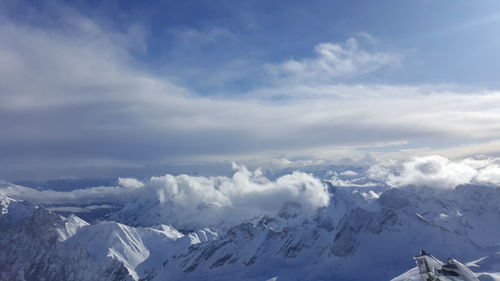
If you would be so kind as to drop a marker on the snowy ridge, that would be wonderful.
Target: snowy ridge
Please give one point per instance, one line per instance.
(138, 249)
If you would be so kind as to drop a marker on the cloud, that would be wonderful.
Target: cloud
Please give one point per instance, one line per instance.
(212, 200)
(75, 103)
(93, 195)
(433, 171)
(334, 62)
(195, 38)
(438, 172)
(130, 183)
(489, 174)
(188, 201)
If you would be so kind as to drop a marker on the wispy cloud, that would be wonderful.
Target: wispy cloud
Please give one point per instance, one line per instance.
(334, 62)
(196, 38)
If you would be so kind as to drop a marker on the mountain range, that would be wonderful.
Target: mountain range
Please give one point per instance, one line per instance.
(364, 232)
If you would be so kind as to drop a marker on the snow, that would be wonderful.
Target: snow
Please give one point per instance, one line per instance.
(33, 243)
(70, 227)
(378, 230)
(410, 275)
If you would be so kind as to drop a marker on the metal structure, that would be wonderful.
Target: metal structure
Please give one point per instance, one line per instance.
(432, 269)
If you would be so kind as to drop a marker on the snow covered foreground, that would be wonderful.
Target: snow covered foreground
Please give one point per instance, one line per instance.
(362, 234)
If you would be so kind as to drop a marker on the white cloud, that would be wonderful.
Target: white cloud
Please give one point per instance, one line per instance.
(188, 201)
(130, 183)
(93, 195)
(433, 171)
(194, 201)
(489, 174)
(212, 200)
(334, 62)
(438, 172)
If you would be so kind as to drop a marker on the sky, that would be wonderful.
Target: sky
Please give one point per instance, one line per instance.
(136, 88)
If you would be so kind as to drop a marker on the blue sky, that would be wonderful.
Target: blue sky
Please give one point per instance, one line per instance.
(110, 88)
(443, 42)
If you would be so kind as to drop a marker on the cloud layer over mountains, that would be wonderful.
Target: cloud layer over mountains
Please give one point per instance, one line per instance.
(196, 200)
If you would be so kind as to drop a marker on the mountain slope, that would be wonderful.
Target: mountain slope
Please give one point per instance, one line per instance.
(138, 249)
(32, 247)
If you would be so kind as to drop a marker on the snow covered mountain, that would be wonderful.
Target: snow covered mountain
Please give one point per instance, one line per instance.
(33, 248)
(380, 236)
(138, 249)
(37, 244)
(365, 231)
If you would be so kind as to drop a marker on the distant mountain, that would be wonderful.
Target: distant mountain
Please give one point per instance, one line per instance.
(66, 184)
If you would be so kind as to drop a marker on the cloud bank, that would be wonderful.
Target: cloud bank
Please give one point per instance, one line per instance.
(189, 201)
(438, 172)
(75, 103)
